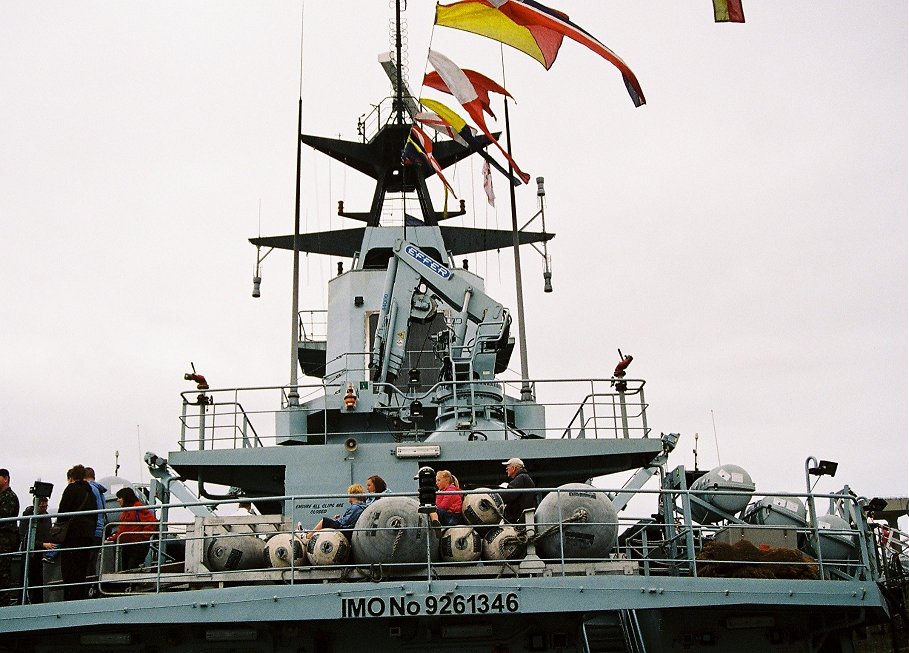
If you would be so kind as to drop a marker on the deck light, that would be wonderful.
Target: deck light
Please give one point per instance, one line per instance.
(418, 451)
(426, 489)
(413, 378)
(876, 505)
(824, 468)
(41, 489)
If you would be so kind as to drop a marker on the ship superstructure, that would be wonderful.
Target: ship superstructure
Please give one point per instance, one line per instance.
(406, 371)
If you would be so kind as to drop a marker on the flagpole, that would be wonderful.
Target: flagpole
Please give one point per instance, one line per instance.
(526, 391)
(293, 395)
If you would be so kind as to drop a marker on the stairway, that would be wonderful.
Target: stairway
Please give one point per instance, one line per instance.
(612, 632)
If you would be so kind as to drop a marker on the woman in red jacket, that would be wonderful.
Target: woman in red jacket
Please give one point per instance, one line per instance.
(448, 505)
(136, 526)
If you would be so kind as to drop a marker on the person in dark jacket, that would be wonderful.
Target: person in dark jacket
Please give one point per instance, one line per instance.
(75, 550)
(9, 537)
(517, 502)
(39, 546)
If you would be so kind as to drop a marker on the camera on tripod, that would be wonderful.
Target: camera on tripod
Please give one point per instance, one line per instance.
(41, 489)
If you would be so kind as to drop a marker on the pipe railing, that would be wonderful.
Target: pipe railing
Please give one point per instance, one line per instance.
(661, 547)
(239, 417)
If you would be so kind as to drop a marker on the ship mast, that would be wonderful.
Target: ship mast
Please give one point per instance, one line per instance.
(293, 395)
(399, 86)
(526, 391)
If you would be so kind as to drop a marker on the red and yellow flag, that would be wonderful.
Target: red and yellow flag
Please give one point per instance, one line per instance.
(532, 28)
(728, 11)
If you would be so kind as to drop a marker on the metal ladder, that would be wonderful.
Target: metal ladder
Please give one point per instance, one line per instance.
(613, 632)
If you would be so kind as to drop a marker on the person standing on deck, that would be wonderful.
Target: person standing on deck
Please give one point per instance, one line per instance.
(39, 547)
(98, 490)
(75, 551)
(9, 536)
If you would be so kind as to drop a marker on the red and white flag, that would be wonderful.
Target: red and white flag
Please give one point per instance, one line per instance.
(487, 184)
(460, 86)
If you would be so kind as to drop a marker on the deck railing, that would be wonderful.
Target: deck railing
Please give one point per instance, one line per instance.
(246, 417)
(646, 546)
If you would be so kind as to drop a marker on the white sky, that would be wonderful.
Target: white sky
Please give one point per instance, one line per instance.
(744, 234)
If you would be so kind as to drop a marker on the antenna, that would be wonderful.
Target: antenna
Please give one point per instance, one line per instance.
(399, 65)
(526, 388)
(139, 442)
(695, 451)
(716, 442)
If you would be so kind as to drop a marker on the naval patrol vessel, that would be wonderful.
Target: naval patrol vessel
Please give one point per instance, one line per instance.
(405, 374)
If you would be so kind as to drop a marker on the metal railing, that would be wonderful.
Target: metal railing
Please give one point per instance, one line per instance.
(615, 411)
(179, 552)
(222, 424)
(246, 417)
(313, 325)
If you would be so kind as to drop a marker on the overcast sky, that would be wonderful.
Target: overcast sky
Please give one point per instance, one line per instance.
(743, 235)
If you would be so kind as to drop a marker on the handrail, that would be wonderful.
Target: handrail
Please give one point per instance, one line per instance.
(601, 412)
(645, 556)
(590, 399)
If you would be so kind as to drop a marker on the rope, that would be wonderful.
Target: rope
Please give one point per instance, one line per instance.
(396, 524)
(580, 516)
